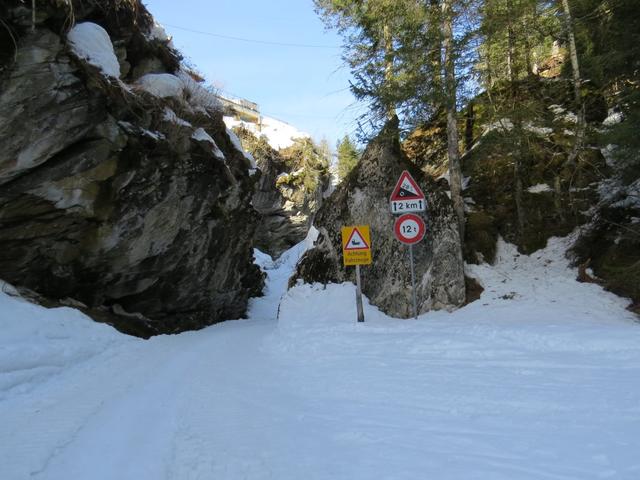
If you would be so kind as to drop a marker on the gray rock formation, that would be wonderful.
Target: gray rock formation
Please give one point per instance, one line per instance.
(363, 198)
(105, 199)
(289, 192)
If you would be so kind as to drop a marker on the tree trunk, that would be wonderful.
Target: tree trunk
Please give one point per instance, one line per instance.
(388, 68)
(469, 122)
(517, 122)
(577, 81)
(455, 174)
(511, 44)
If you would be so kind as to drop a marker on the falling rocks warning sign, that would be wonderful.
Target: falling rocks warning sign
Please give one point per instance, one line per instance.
(356, 245)
(407, 196)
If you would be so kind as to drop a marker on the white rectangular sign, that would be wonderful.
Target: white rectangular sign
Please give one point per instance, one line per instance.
(408, 206)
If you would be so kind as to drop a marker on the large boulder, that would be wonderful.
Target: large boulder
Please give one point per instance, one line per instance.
(134, 207)
(363, 198)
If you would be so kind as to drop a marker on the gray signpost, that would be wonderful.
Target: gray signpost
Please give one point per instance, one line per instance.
(409, 228)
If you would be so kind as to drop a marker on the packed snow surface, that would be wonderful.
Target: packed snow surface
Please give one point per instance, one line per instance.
(92, 43)
(279, 134)
(536, 380)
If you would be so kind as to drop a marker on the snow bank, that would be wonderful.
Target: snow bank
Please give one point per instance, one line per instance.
(279, 134)
(162, 85)
(521, 384)
(91, 42)
(37, 343)
(522, 293)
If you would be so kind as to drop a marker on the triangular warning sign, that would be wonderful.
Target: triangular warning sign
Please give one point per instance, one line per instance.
(406, 189)
(356, 241)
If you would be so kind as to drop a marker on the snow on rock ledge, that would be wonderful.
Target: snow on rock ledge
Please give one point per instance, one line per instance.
(170, 116)
(162, 85)
(539, 188)
(279, 134)
(201, 136)
(92, 43)
(199, 97)
(614, 118)
(159, 33)
(238, 146)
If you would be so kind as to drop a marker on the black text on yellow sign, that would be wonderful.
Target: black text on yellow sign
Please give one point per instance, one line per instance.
(356, 245)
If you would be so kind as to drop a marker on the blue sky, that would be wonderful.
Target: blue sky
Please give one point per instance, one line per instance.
(306, 87)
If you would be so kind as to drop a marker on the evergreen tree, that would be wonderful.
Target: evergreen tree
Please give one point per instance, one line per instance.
(450, 90)
(348, 156)
(381, 50)
(325, 150)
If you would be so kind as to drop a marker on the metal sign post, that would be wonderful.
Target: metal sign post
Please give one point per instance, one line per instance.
(359, 295)
(413, 283)
(410, 229)
(356, 250)
(407, 196)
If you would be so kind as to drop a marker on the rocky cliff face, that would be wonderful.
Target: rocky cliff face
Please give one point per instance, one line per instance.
(289, 192)
(135, 204)
(363, 198)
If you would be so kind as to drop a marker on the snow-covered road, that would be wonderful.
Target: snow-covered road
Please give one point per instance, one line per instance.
(540, 379)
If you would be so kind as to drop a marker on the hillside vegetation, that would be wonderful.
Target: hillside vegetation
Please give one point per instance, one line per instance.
(528, 109)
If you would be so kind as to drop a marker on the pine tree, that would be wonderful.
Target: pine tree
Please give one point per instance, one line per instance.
(348, 156)
(380, 42)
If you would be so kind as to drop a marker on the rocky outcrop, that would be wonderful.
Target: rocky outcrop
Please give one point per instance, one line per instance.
(134, 206)
(556, 196)
(289, 191)
(363, 198)
(609, 243)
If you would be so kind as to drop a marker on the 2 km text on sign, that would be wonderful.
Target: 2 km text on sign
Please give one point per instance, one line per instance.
(356, 245)
(407, 196)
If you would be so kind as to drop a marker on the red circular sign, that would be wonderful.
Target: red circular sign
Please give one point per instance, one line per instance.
(409, 228)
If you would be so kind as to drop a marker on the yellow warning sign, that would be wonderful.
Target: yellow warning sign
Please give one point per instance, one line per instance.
(356, 245)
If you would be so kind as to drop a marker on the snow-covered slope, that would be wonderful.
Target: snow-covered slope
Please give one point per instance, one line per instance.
(279, 134)
(538, 379)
